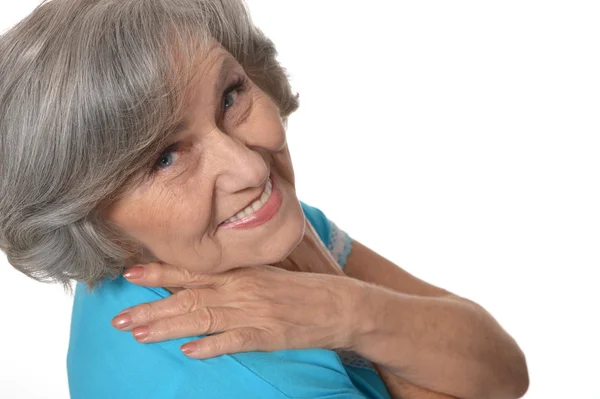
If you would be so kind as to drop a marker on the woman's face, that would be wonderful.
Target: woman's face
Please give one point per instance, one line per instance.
(233, 144)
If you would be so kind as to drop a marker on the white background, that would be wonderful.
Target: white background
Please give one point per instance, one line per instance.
(458, 139)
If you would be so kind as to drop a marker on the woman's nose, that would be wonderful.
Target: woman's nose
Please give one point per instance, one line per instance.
(235, 165)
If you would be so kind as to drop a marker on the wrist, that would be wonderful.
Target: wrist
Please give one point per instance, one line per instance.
(363, 313)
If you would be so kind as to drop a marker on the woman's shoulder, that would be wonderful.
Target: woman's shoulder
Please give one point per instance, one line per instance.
(104, 362)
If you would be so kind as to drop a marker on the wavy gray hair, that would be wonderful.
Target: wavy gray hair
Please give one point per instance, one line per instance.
(90, 91)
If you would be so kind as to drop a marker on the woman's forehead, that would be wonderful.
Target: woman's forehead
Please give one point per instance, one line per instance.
(210, 68)
(208, 80)
(210, 57)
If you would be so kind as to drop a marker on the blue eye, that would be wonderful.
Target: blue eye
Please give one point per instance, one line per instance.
(238, 86)
(165, 159)
(228, 95)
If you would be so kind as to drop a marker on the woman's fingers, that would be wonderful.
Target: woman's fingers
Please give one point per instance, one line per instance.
(200, 322)
(233, 341)
(181, 303)
(165, 275)
(247, 309)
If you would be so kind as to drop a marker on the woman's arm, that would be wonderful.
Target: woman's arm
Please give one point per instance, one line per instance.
(267, 309)
(413, 376)
(431, 337)
(312, 256)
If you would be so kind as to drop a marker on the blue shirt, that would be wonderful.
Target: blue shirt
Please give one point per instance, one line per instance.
(103, 362)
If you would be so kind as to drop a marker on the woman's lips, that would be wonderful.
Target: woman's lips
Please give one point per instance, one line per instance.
(261, 215)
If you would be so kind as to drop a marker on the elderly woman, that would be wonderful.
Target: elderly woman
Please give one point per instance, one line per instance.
(152, 132)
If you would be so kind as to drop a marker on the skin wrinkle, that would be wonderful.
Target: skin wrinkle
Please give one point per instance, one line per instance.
(124, 118)
(220, 165)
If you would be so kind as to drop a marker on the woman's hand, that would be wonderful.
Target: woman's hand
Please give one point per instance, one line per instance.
(184, 313)
(260, 308)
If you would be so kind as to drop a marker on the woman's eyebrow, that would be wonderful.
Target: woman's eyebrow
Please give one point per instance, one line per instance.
(181, 127)
(227, 64)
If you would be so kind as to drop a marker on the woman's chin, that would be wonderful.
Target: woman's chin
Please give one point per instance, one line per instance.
(277, 247)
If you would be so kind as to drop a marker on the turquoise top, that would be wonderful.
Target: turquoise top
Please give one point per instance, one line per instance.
(103, 362)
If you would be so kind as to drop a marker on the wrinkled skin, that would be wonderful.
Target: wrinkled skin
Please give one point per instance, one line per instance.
(222, 162)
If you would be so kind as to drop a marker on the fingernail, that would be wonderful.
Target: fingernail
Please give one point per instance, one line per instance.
(134, 272)
(122, 321)
(123, 311)
(188, 348)
(141, 333)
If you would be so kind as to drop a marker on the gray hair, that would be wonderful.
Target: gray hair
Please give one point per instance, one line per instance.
(90, 91)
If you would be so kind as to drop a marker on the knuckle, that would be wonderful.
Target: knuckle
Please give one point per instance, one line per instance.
(169, 327)
(188, 277)
(243, 339)
(211, 320)
(198, 324)
(187, 301)
(144, 312)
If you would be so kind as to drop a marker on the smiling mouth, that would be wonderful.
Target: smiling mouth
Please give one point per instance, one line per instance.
(255, 205)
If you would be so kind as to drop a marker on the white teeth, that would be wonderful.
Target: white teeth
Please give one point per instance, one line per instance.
(264, 197)
(256, 205)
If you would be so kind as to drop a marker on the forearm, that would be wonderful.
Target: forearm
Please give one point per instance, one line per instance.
(445, 344)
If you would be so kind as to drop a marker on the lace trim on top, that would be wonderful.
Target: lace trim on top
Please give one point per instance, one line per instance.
(340, 244)
(351, 359)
